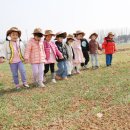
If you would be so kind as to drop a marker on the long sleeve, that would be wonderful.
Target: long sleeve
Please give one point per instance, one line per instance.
(28, 50)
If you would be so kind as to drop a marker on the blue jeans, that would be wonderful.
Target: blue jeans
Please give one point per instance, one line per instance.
(94, 60)
(108, 59)
(14, 69)
(62, 69)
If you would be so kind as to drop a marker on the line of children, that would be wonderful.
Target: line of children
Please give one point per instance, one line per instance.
(35, 55)
(93, 49)
(43, 54)
(71, 56)
(109, 47)
(79, 58)
(13, 50)
(62, 63)
(52, 53)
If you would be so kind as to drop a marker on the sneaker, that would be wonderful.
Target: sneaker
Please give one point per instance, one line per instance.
(65, 78)
(41, 85)
(53, 81)
(18, 87)
(26, 85)
(58, 77)
(78, 72)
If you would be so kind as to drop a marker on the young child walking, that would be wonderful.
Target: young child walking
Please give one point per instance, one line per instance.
(69, 42)
(35, 54)
(110, 48)
(79, 58)
(93, 49)
(14, 52)
(62, 65)
(52, 53)
(85, 50)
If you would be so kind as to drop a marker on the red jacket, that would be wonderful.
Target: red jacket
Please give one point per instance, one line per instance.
(109, 46)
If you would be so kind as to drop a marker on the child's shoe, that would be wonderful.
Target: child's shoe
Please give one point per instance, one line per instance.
(41, 85)
(53, 81)
(26, 85)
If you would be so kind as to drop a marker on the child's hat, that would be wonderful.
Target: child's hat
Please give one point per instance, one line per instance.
(94, 34)
(49, 32)
(70, 36)
(61, 34)
(37, 31)
(79, 32)
(13, 29)
(110, 33)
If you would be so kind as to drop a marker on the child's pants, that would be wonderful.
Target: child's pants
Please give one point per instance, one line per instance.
(108, 59)
(94, 60)
(52, 68)
(62, 69)
(69, 67)
(86, 56)
(38, 72)
(76, 67)
(14, 69)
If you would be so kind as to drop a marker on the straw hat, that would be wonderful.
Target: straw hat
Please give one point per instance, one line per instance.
(49, 32)
(70, 36)
(37, 31)
(79, 32)
(13, 29)
(61, 34)
(110, 33)
(94, 34)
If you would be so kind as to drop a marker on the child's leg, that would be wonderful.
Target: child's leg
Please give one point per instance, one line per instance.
(40, 73)
(107, 59)
(60, 68)
(22, 72)
(14, 70)
(110, 59)
(46, 68)
(69, 67)
(86, 55)
(52, 67)
(92, 60)
(35, 72)
(64, 74)
(96, 60)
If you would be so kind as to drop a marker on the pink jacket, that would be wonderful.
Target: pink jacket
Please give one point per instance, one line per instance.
(35, 52)
(51, 45)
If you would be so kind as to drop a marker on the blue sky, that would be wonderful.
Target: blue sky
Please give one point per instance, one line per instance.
(64, 15)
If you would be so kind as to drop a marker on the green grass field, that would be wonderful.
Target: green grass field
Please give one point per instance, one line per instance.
(94, 100)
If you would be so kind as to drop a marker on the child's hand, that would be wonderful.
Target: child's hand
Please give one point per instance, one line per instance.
(26, 61)
(61, 57)
(2, 60)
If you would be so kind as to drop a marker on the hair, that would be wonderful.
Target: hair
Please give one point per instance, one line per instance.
(38, 34)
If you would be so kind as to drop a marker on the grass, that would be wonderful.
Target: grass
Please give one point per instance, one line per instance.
(72, 104)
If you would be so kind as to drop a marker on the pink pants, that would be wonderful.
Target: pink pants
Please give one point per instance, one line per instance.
(38, 72)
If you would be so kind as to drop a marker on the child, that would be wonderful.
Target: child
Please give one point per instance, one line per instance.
(52, 53)
(69, 42)
(93, 48)
(79, 58)
(35, 54)
(85, 50)
(109, 46)
(14, 51)
(62, 65)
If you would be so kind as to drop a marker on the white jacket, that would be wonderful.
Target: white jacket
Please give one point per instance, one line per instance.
(6, 50)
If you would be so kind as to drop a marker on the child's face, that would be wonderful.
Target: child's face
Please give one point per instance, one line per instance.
(60, 39)
(14, 36)
(79, 36)
(93, 37)
(37, 38)
(111, 36)
(70, 41)
(48, 38)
